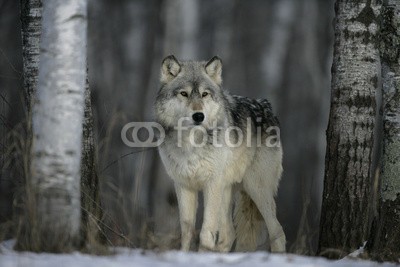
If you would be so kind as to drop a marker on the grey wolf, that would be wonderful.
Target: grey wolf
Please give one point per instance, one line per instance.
(201, 151)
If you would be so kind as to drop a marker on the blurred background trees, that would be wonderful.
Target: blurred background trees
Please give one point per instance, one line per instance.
(275, 49)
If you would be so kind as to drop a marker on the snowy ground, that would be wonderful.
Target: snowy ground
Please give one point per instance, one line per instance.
(137, 258)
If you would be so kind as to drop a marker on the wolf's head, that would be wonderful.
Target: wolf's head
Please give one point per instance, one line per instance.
(190, 89)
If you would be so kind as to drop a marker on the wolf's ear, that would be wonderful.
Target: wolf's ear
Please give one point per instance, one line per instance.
(214, 69)
(170, 69)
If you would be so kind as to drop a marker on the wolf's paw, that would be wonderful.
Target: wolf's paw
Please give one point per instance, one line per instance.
(208, 240)
(278, 244)
(216, 241)
(225, 240)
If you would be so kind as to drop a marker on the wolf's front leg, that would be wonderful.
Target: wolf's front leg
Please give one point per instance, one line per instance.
(211, 236)
(187, 203)
(226, 230)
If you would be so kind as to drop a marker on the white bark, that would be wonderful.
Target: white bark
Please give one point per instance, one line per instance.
(57, 124)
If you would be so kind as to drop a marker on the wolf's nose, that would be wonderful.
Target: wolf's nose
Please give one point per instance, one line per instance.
(198, 117)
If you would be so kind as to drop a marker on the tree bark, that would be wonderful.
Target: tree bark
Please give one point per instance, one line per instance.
(31, 30)
(345, 206)
(31, 19)
(386, 235)
(57, 128)
(91, 211)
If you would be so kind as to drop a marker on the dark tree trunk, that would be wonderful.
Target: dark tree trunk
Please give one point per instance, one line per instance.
(31, 19)
(385, 239)
(92, 212)
(31, 30)
(346, 198)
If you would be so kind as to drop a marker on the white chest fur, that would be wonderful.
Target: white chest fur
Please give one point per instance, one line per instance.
(194, 166)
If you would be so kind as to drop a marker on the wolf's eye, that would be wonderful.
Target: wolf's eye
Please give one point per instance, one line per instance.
(183, 93)
(204, 94)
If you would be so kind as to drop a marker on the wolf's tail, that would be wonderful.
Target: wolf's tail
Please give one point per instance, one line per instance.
(248, 223)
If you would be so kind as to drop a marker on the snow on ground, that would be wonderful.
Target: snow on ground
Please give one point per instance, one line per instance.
(127, 257)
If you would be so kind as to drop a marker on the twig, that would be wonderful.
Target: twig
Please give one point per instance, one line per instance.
(123, 156)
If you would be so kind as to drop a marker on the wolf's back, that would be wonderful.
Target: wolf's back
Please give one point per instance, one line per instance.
(258, 110)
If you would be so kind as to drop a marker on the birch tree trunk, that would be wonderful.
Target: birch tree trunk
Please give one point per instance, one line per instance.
(345, 205)
(91, 211)
(57, 127)
(386, 234)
